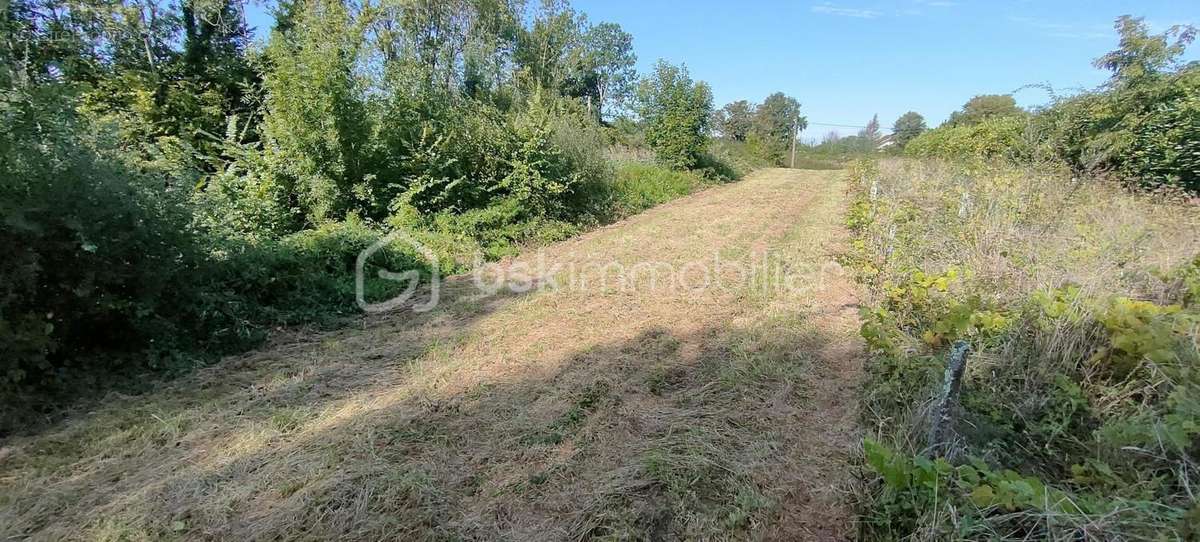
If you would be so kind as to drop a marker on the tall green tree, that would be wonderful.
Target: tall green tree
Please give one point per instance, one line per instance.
(984, 107)
(1142, 55)
(455, 45)
(735, 120)
(676, 111)
(168, 77)
(608, 54)
(907, 127)
(214, 38)
(545, 51)
(487, 51)
(316, 128)
(776, 121)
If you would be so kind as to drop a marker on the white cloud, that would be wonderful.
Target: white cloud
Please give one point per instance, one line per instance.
(830, 9)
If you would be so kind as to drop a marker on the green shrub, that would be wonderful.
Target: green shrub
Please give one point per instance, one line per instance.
(246, 199)
(733, 159)
(1148, 132)
(1143, 126)
(307, 276)
(97, 252)
(1166, 139)
(107, 276)
(676, 112)
(317, 132)
(638, 187)
(1002, 137)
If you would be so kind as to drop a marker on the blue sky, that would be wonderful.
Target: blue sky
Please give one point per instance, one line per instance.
(848, 59)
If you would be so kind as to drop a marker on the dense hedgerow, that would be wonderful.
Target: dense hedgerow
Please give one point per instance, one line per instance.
(999, 138)
(171, 191)
(1143, 126)
(1147, 130)
(113, 277)
(94, 252)
(109, 275)
(1078, 410)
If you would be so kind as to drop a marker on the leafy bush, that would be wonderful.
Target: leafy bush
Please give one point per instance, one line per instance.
(676, 112)
(316, 128)
(638, 187)
(984, 108)
(96, 255)
(1166, 140)
(1143, 125)
(307, 276)
(109, 277)
(733, 159)
(1001, 137)
(1147, 132)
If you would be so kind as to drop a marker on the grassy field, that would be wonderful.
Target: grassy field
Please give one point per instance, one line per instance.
(701, 370)
(599, 409)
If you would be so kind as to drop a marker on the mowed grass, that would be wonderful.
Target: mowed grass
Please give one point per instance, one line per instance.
(614, 411)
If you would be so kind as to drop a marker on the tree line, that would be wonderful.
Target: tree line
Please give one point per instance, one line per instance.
(1142, 126)
(170, 188)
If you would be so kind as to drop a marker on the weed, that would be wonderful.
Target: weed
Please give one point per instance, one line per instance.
(1078, 408)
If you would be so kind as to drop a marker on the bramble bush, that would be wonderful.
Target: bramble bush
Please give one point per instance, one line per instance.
(1145, 130)
(109, 277)
(998, 138)
(95, 254)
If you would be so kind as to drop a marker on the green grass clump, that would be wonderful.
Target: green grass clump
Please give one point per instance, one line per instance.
(638, 187)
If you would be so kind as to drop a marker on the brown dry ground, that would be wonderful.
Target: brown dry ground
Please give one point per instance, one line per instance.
(598, 409)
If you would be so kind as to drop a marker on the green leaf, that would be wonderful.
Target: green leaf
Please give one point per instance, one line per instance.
(983, 496)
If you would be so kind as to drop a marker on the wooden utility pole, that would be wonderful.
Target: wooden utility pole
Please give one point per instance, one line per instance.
(794, 126)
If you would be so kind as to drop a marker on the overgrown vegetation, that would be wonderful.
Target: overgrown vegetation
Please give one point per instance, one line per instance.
(994, 138)
(170, 190)
(1076, 295)
(1078, 412)
(1143, 126)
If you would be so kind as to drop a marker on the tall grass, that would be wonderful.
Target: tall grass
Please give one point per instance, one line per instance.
(1078, 415)
(639, 186)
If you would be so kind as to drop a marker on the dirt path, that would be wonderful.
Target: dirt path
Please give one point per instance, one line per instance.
(691, 376)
